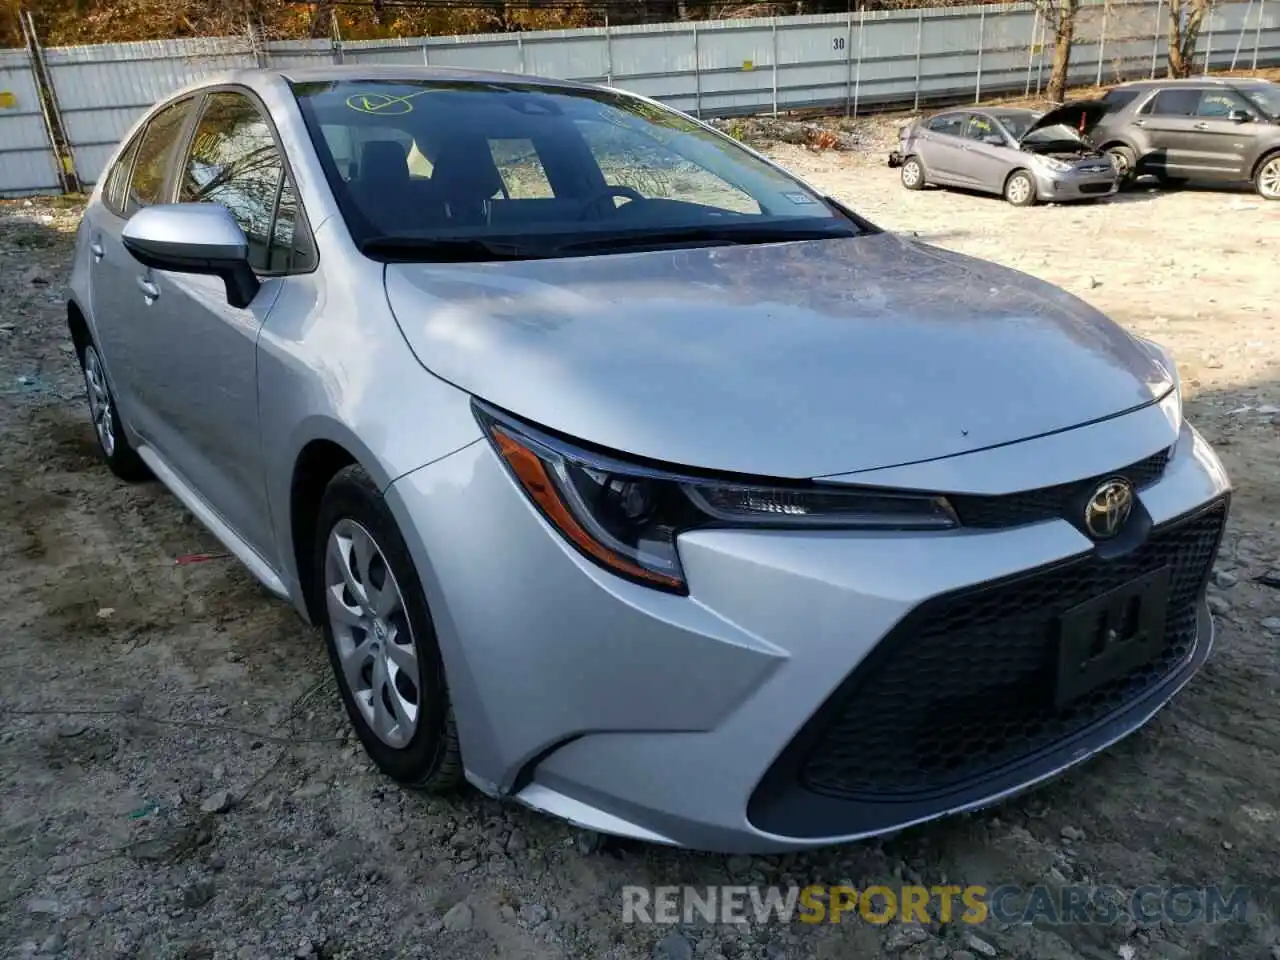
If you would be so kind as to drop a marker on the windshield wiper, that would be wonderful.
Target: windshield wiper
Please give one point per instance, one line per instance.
(446, 250)
(702, 234)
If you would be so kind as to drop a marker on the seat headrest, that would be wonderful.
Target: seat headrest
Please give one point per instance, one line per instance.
(384, 162)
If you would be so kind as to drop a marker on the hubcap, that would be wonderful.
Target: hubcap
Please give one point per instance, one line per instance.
(911, 172)
(1120, 162)
(1019, 189)
(1269, 179)
(104, 422)
(372, 634)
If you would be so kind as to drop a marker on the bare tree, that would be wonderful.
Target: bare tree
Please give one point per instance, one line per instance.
(1185, 19)
(1060, 17)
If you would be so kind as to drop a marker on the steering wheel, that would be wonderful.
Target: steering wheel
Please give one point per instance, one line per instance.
(608, 193)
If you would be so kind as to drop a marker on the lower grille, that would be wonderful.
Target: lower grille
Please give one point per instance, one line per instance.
(1095, 188)
(964, 685)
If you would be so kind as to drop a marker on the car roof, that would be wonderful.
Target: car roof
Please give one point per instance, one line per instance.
(1189, 82)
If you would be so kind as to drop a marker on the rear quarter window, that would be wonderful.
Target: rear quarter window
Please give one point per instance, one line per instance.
(1117, 100)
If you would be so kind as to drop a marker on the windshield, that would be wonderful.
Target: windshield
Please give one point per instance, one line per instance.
(1266, 97)
(537, 166)
(1017, 123)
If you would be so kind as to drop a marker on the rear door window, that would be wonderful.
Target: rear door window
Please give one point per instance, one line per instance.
(1176, 102)
(155, 157)
(951, 124)
(1219, 103)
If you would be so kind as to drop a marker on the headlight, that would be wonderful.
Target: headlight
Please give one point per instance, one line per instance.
(1171, 402)
(1052, 163)
(626, 517)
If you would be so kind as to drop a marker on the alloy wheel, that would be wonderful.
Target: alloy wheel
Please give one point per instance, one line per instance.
(372, 634)
(1269, 179)
(100, 408)
(911, 173)
(1019, 190)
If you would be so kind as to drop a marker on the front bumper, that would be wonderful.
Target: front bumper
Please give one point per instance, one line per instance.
(1069, 185)
(690, 720)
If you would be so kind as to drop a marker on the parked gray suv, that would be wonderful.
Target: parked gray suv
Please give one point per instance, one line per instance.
(1204, 129)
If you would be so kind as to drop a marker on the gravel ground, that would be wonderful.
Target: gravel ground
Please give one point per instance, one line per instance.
(177, 779)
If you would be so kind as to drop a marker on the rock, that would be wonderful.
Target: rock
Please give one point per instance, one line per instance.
(459, 918)
(901, 938)
(44, 906)
(963, 955)
(72, 728)
(197, 894)
(1126, 952)
(1272, 624)
(293, 894)
(673, 947)
(978, 945)
(1072, 833)
(533, 914)
(739, 864)
(220, 801)
(52, 943)
(516, 842)
(305, 949)
(1218, 604)
(1225, 579)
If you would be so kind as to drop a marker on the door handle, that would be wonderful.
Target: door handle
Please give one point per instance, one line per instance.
(1139, 123)
(1202, 126)
(149, 290)
(95, 248)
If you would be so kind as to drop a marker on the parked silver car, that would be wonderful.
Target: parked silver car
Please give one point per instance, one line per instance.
(1023, 155)
(627, 475)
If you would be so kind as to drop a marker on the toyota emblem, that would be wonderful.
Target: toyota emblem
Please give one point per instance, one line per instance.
(1108, 508)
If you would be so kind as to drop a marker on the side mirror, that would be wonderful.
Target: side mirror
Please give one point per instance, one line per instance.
(1240, 116)
(194, 238)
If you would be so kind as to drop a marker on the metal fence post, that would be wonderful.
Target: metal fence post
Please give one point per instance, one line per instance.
(54, 127)
(520, 51)
(697, 76)
(1257, 35)
(426, 58)
(608, 50)
(1031, 50)
(982, 30)
(1244, 25)
(848, 63)
(775, 65)
(1155, 43)
(919, 44)
(1208, 49)
(857, 79)
(1102, 42)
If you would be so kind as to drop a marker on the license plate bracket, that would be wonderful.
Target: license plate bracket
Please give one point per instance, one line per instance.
(1108, 636)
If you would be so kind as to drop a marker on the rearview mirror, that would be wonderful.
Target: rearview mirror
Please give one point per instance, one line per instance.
(1239, 116)
(194, 238)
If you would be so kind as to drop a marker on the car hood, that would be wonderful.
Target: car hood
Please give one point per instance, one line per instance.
(1080, 116)
(788, 360)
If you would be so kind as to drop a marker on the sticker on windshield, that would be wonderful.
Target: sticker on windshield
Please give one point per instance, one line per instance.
(799, 198)
(383, 104)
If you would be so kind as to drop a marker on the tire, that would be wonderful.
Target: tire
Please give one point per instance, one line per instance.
(113, 442)
(359, 546)
(1266, 181)
(1020, 189)
(1125, 162)
(912, 174)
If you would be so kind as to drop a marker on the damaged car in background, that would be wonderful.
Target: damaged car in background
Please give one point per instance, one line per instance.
(1026, 156)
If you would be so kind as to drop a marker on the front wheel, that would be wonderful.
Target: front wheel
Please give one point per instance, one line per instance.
(1124, 162)
(1267, 180)
(381, 639)
(913, 174)
(116, 449)
(1020, 189)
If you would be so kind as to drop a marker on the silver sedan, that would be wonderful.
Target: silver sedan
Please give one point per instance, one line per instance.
(630, 477)
(1023, 155)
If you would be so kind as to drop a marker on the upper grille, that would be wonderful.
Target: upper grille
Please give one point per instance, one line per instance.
(1047, 503)
(964, 684)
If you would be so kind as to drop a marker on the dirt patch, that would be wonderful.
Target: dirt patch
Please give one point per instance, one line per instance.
(177, 779)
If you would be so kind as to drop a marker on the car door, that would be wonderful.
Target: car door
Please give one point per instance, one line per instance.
(206, 403)
(1168, 120)
(942, 148)
(122, 322)
(987, 163)
(1220, 147)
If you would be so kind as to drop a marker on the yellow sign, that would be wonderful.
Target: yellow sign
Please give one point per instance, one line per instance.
(8, 100)
(1037, 48)
(748, 65)
(381, 103)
